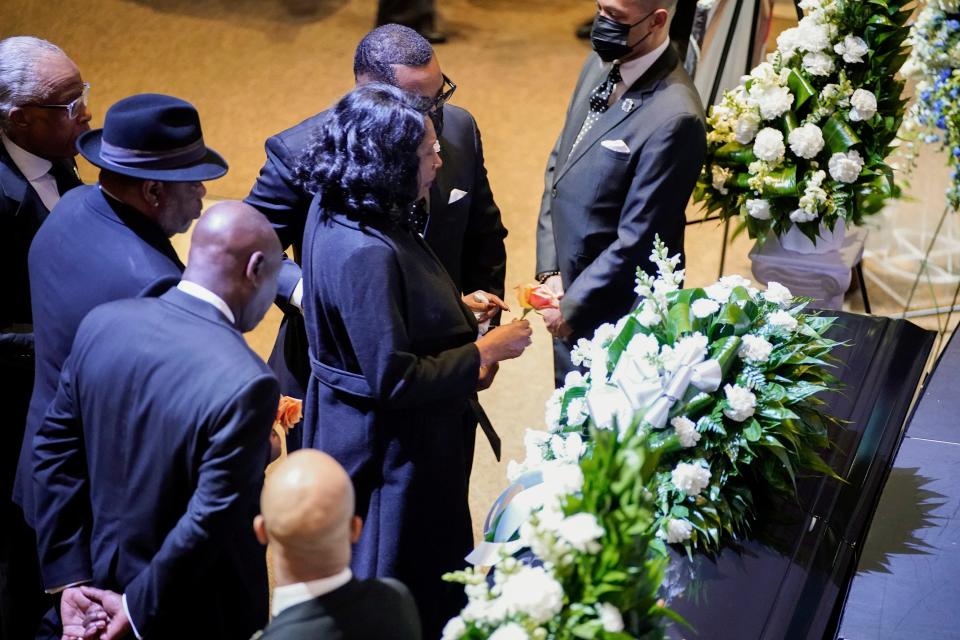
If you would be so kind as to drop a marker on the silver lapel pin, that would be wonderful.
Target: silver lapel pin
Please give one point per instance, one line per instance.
(627, 105)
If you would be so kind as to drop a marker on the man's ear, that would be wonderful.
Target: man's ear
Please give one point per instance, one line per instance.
(18, 118)
(356, 528)
(260, 529)
(256, 267)
(151, 191)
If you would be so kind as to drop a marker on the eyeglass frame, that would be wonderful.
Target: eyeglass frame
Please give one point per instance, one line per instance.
(74, 105)
(444, 96)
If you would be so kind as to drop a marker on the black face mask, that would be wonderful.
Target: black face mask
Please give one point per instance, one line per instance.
(436, 116)
(609, 37)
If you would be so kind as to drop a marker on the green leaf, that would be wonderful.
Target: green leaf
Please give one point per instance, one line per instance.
(801, 88)
(734, 153)
(753, 431)
(838, 135)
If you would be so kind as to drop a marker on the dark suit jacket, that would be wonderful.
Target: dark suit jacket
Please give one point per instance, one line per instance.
(395, 369)
(467, 235)
(149, 464)
(602, 208)
(359, 610)
(91, 250)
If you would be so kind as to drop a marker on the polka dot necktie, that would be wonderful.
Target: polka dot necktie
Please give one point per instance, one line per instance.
(599, 102)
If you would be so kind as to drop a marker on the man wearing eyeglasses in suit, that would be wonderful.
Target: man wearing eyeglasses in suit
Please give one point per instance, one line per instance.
(42, 113)
(460, 220)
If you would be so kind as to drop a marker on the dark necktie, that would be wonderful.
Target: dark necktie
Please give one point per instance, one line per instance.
(66, 176)
(599, 102)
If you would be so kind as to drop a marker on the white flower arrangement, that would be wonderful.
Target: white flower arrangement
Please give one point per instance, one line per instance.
(830, 92)
(700, 398)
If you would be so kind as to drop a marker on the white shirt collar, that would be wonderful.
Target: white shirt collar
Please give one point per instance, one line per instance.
(293, 594)
(631, 70)
(31, 166)
(201, 292)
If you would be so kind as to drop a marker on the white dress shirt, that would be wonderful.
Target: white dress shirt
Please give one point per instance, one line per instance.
(201, 292)
(36, 170)
(631, 70)
(290, 595)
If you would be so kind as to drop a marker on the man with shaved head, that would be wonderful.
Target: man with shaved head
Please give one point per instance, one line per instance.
(620, 173)
(307, 518)
(149, 461)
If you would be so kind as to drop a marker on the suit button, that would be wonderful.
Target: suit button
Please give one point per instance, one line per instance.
(553, 193)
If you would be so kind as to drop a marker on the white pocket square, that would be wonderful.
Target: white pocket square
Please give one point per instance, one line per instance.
(456, 194)
(619, 146)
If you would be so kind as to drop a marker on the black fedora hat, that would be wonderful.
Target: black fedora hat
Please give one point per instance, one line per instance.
(154, 137)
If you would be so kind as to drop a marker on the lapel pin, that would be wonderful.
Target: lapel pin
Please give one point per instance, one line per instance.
(627, 105)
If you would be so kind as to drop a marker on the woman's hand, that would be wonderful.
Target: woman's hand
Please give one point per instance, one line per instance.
(504, 342)
(486, 304)
(487, 374)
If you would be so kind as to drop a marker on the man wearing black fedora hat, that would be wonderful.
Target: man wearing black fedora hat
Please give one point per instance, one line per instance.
(111, 240)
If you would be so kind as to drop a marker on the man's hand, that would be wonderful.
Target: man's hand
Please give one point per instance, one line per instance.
(556, 325)
(83, 618)
(486, 304)
(556, 285)
(118, 625)
(487, 374)
(505, 342)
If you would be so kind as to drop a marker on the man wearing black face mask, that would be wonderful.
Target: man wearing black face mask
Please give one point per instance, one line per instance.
(620, 173)
(459, 219)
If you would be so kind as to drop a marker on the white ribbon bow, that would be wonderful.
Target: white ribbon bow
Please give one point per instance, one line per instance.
(658, 395)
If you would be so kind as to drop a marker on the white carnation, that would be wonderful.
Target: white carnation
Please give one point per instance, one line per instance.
(454, 629)
(772, 100)
(704, 308)
(610, 618)
(845, 167)
(802, 215)
(534, 441)
(746, 127)
(690, 478)
(777, 294)
(789, 41)
(643, 345)
(818, 63)
(758, 208)
(782, 320)
(689, 349)
(735, 280)
(718, 291)
(814, 36)
(574, 379)
(532, 592)
(686, 431)
(678, 531)
(806, 141)
(582, 532)
(754, 349)
(768, 145)
(852, 49)
(863, 105)
(741, 403)
(510, 631)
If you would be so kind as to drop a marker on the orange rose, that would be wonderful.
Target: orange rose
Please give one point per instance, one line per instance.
(536, 297)
(289, 412)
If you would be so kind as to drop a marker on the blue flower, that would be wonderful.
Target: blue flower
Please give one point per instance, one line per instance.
(943, 74)
(953, 24)
(941, 123)
(925, 94)
(956, 152)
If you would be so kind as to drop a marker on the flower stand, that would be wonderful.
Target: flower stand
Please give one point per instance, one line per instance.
(825, 277)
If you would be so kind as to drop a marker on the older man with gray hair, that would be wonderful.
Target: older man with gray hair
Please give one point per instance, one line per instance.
(42, 112)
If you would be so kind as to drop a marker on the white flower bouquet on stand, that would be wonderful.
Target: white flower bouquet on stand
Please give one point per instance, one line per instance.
(802, 142)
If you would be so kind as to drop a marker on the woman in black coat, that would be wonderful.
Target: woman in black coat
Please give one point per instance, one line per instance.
(394, 350)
